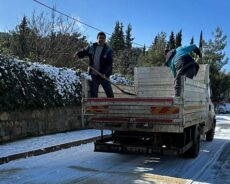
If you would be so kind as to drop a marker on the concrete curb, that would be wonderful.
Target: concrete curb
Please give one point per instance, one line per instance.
(49, 149)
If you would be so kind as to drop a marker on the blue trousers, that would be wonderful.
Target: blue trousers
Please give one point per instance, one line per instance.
(94, 85)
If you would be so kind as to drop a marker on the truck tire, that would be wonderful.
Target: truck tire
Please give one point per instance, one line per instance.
(193, 152)
(210, 134)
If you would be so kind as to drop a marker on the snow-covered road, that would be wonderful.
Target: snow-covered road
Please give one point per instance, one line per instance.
(82, 165)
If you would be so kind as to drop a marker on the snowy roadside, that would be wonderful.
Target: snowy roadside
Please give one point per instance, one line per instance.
(42, 142)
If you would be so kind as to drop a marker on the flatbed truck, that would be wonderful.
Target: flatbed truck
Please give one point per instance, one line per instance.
(153, 121)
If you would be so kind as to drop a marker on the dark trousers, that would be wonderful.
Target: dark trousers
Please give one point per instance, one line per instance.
(184, 67)
(94, 85)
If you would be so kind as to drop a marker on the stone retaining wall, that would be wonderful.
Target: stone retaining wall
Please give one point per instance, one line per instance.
(20, 124)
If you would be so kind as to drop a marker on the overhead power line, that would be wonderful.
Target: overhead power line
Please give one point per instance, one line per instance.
(66, 15)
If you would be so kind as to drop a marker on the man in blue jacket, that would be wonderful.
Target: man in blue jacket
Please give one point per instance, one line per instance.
(181, 63)
(100, 56)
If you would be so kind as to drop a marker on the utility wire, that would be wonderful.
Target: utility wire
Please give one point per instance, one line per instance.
(54, 9)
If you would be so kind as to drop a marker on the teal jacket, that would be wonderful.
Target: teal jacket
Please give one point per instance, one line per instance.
(173, 56)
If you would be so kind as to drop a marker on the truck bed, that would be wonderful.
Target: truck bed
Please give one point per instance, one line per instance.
(150, 112)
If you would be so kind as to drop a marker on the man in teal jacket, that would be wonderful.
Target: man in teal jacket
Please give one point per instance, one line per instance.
(181, 63)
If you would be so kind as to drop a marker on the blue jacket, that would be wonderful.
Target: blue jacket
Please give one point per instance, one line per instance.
(106, 59)
(176, 54)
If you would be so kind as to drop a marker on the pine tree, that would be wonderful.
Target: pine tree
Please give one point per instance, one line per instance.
(155, 56)
(121, 37)
(213, 54)
(144, 50)
(125, 57)
(23, 39)
(23, 31)
(19, 42)
(179, 39)
(128, 37)
(171, 43)
(201, 41)
(113, 41)
(214, 50)
(155, 40)
(117, 41)
(192, 41)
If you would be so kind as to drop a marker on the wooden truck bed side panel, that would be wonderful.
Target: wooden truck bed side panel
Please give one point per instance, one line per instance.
(158, 82)
(128, 107)
(195, 97)
(143, 114)
(153, 82)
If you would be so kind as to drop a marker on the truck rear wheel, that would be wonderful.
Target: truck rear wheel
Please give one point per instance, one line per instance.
(210, 134)
(193, 152)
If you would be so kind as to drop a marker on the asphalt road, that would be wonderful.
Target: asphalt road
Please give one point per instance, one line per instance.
(82, 165)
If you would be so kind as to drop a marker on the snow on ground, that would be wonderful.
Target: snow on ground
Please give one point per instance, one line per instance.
(223, 128)
(82, 165)
(34, 143)
(218, 171)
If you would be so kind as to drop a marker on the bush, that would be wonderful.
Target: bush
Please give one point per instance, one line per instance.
(24, 85)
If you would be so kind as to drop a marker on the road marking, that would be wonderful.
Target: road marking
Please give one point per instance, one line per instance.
(165, 179)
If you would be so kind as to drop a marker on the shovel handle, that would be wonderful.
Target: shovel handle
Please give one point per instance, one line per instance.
(104, 77)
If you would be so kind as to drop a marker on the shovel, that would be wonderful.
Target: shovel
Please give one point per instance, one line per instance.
(105, 78)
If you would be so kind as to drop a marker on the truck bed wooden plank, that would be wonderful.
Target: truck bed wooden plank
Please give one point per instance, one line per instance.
(156, 93)
(174, 118)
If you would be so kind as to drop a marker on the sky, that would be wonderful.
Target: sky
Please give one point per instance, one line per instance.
(147, 17)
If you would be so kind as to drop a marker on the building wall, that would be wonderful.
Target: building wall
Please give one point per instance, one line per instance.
(21, 124)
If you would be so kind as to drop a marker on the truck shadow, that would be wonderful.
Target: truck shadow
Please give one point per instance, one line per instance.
(211, 166)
